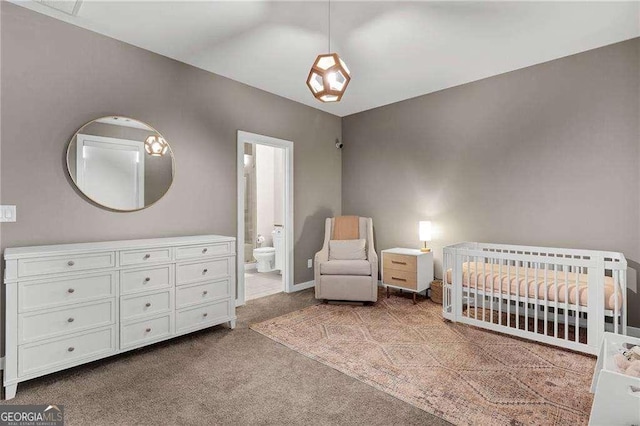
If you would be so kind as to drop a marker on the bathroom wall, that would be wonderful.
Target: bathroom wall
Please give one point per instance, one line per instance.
(265, 164)
(269, 190)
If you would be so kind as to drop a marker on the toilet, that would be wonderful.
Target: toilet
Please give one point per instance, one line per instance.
(265, 258)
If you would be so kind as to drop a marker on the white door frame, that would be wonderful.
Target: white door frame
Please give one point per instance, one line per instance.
(83, 140)
(287, 273)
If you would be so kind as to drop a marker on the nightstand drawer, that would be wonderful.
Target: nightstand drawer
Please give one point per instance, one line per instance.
(398, 278)
(401, 262)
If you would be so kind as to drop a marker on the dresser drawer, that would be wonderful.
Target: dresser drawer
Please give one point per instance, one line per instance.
(61, 291)
(70, 350)
(146, 330)
(204, 250)
(57, 264)
(400, 262)
(145, 279)
(400, 278)
(56, 322)
(202, 316)
(141, 257)
(203, 271)
(146, 304)
(194, 294)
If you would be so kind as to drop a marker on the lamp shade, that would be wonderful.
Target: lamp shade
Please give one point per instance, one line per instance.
(156, 146)
(424, 229)
(328, 78)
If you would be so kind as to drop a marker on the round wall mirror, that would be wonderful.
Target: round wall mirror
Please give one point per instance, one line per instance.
(120, 163)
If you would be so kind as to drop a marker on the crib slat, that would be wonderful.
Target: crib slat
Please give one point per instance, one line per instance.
(535, 297)
(615, 301)
(475, 290)
(555, 309)
(484, 287)
(517, 294)
(508, 293)
(500, 297)
(577, 311)
(526, 296)
(566, 302)
(546, 299)
(492, 287)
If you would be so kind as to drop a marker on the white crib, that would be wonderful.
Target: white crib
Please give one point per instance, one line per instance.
(562, 297)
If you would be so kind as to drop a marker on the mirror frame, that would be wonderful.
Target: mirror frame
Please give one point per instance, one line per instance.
(98, 204)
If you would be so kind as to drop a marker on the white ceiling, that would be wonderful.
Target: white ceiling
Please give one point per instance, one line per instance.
(395, 50)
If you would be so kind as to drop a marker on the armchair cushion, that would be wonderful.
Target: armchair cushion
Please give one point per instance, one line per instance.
(346, 267)
(347, 249)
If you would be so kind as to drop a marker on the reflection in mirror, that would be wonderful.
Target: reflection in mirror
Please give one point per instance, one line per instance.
(120, 163)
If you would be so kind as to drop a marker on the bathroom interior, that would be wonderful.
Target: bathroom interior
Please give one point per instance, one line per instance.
(263, 220)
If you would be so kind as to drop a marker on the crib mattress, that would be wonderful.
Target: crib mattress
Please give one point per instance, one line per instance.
(474, 276)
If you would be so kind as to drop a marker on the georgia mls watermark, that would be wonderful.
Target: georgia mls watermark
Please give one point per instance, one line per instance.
(31, 415)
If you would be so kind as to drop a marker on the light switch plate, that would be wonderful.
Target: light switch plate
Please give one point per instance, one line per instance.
(7, 213)
(309, 263)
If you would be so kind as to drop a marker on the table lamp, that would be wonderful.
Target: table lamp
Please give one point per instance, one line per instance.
(424, 230)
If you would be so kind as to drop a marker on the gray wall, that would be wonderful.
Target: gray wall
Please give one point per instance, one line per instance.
(547, 155)
(55, 77)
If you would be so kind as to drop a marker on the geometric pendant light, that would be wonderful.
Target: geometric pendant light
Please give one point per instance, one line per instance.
(329, 76)
(156, 146)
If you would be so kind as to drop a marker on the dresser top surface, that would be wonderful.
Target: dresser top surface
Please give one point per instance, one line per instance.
(407, 251)
(61, 249)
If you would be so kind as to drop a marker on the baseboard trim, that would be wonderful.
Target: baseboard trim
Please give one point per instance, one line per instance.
(303, 286)
(633, 331)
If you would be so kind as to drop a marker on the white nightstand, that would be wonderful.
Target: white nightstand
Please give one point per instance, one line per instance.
(407, 269)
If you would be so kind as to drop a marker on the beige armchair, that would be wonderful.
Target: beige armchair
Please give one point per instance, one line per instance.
(352, 280)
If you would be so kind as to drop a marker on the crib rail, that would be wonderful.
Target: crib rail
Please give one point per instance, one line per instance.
(557, 296)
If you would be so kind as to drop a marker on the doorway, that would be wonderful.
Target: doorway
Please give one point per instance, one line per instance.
(265, 216)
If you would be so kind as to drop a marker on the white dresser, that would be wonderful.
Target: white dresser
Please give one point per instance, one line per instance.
(74, 303)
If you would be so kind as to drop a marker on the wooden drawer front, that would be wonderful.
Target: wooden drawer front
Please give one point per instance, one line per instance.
(137, 306)
(57, 264)
(57, 292)
(145, 279)
(400, 262)
(203, 251)
(400, 278)
(146, 330)
(201, 316)
(203, 271)
(69, 350)
(140, 257)
(200, 293)
(41, 325)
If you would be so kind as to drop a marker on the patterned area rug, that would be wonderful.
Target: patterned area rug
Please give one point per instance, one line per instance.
(460, 373)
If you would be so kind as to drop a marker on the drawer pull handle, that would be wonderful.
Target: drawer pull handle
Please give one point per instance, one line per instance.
(71, 349)
(398, 279)
(147, 304)
(398, 263)
(204, 271)
(70, 320)
(146, 256)
(70, 290)
(71, 263)
(205, 314)
(204, 293)
(204, 250)
(148, 330)
(146, 280)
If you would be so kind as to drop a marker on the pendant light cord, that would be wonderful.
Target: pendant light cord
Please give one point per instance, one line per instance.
(329, 19)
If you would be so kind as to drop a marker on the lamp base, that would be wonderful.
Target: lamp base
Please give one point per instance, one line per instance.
(425, 249)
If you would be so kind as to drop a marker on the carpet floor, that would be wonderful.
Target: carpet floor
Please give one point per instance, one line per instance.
(219, 377)
(463, 374)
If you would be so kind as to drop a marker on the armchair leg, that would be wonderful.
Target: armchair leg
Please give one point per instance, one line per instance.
(414, 299)
(387, 292)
